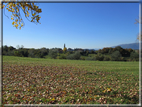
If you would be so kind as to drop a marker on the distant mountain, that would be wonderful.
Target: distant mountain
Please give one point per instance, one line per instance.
(131, 45)
(134, 46)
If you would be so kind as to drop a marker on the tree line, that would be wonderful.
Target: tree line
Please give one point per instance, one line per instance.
(105, 54)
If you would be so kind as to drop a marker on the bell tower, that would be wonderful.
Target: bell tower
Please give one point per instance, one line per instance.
(64, 46)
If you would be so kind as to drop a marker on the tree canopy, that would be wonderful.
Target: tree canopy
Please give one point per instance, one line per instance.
(30, 9)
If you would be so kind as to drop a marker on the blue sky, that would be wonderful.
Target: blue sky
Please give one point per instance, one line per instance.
(78, 25)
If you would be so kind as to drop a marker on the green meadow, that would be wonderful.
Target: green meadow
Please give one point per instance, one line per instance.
(57, 81)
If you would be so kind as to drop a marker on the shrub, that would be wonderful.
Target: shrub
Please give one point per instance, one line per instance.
(16, 53)
(84, 53)
(90, 55)
(53, 53)
(115, 56)
(21, 53)
(106, 58)
(10, 53)
(134, 56)
(76, 56)
(37, 56)
(99, 57)
(89, 58)
(71, 56)
(63, 56)
(82, 58)
(123, 59)
(31, 53)
(4, 52)
(128, 59)
(68, 53)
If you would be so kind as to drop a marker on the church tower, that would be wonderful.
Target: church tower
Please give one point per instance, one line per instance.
(64, 46)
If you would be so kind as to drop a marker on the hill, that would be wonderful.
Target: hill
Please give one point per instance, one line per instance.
(134, 46)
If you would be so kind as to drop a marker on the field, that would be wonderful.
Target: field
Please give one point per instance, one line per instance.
(54, 81)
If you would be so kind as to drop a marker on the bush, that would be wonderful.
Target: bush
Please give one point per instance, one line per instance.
(76, 56)
(115, 56)
(128, 59)
(53, 53)
(37, 56)
(10, 53)
(63, 56)
(71, 56)
(4, 52)
(82, 58)
(90, 55)
(134, 56)
(31, 53)
(84, 53)
(123, 59)
(16, 53)
(89, 58)
(67, 53)
(106, 58)
(99, 57)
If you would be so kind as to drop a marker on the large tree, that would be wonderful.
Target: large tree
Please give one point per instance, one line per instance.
(30, 9)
